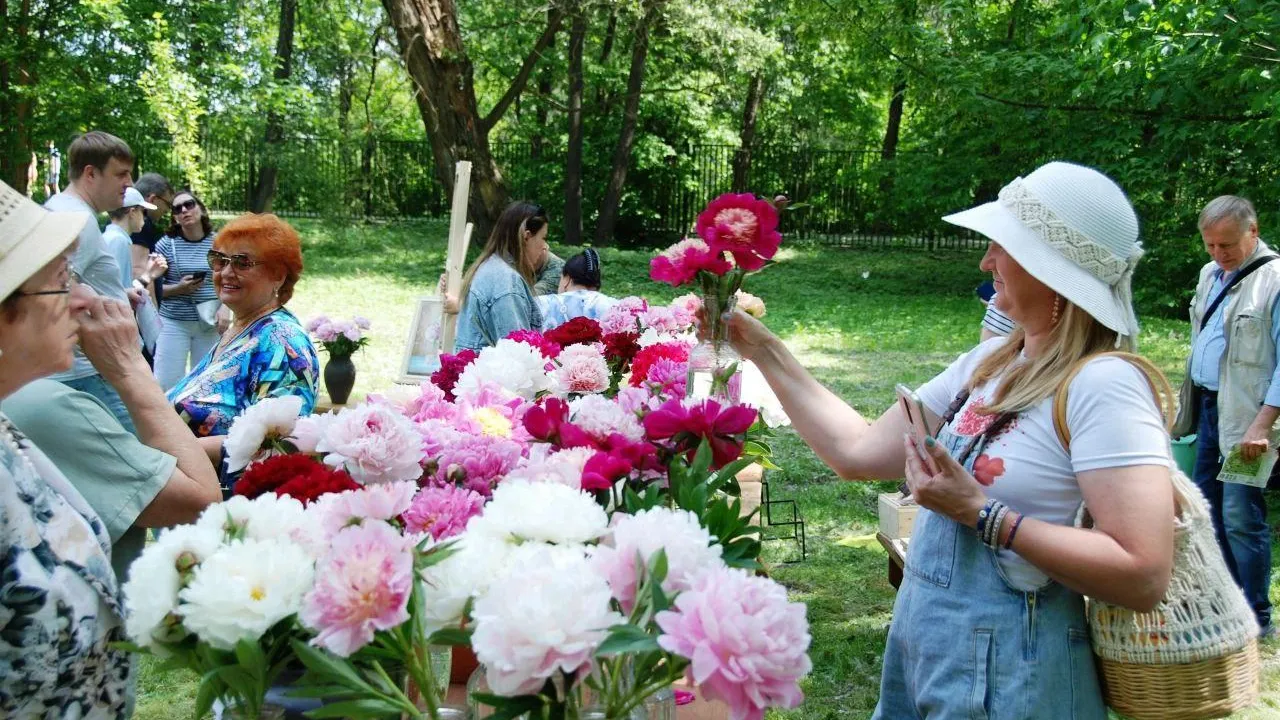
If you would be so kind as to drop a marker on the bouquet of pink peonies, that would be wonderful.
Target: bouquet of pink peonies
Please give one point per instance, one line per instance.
(737, 235)
(340, 338)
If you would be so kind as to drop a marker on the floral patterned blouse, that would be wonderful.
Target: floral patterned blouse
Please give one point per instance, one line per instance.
(273, 357)
(59, 602)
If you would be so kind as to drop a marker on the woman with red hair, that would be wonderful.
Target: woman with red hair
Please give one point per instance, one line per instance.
(256, 260)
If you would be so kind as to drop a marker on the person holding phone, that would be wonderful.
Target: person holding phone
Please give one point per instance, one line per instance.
(185, 335)
(990, 617)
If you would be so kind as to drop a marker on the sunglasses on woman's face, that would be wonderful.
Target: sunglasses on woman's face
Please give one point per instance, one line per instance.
(218, 261)
(183, 206)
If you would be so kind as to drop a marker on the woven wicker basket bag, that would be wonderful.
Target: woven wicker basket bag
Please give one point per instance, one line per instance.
(1196, 654)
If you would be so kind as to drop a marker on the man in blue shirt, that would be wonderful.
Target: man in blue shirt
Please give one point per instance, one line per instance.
(1236, 382)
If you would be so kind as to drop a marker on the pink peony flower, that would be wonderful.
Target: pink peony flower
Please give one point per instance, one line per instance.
(478, 462)
(680, 264)
(669, 378)
(750, 304)
(373, 443)
(624, 316)
(637, 401)
(378, 503)
(442, 511)
(663, 320)
(747, 644)
(361, 322)
(362, 586)
(317, 322)
(686, 308)
(687, 424)
(601, 417)
(743, 225)
(691, 551)
(673, 351)
(582, 370)
(563, 467)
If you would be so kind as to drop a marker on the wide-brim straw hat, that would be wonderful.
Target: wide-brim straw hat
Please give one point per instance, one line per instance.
(30, 237)
(1073, 229)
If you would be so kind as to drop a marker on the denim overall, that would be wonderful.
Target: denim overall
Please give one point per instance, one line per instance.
(965, 644)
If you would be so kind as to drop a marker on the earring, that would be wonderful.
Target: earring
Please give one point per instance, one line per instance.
(1057, 309)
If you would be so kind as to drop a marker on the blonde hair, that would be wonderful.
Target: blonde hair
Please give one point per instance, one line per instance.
(507, 242)
(1077, 336)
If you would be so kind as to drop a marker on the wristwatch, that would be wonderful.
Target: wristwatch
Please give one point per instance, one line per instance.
(142, 283)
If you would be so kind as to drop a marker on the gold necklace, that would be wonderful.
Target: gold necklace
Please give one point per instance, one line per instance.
(232, 333)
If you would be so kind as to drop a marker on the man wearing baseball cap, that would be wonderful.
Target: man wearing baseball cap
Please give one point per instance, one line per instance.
(126, 221)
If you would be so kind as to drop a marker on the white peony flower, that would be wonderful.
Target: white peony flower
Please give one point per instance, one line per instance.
(547, 614)
(151, 593)
(600, 416)
(563, 467)
(267, 418)
(448, 585)
(690, 550)
(523, 511)
(517, 367)
(374, 443)
(265, 517)
(244, 589)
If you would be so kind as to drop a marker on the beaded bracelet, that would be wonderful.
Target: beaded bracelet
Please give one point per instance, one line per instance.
(1008, 543)
(983, 515)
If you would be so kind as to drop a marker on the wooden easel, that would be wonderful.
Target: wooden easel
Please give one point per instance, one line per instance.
(459, 240)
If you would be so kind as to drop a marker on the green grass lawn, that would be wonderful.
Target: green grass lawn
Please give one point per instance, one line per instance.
(862, 321)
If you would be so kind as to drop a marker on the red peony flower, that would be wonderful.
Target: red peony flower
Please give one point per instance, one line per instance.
(743, 225)
(621, 347)
(451, 367)
(536, 339)
(578, 331)
(646, 357)
(298, 476)
(681, 263)
(688, 426)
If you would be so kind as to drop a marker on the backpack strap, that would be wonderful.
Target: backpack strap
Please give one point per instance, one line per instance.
(1160, 390)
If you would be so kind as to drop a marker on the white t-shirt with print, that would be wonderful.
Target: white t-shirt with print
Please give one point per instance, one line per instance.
(1113, 421)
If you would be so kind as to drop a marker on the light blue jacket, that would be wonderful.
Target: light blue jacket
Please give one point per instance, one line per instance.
(498, 302)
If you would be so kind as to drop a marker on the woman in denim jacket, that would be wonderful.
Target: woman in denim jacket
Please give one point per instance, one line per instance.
(989, 621)
(497, 289)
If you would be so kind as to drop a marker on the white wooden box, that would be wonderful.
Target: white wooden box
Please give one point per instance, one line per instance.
(897, 515)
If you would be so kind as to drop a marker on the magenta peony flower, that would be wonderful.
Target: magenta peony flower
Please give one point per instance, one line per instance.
(379, 503)
(451, 367)
(374, 443)
(603, 470)
(582, 370)
(688, 424)
(534, 338)
(362, 586)
(743, 225)
(640, 364)
(549, 422)
(747, 644)
(442, 511)
(680, 264)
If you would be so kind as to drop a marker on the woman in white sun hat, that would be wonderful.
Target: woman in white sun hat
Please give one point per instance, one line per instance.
(990, 615)
(59, 603)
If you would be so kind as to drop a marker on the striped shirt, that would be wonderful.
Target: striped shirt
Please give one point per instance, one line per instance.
(997, 322)
(184, 258)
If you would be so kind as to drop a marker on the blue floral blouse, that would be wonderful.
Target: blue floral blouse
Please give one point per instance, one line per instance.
(273, 357)
(60, 609)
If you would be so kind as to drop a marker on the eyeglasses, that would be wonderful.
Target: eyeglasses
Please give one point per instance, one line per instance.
(218, 261)
(71, 282)
(183, 206)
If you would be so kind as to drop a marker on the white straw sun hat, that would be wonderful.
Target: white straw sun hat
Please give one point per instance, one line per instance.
(1074, 230)
(31, 236)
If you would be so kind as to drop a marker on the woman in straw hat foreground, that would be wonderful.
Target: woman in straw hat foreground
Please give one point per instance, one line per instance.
(59, 604)
(990, 615)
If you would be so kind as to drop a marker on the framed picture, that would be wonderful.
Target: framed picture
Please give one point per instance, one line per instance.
(422, 351)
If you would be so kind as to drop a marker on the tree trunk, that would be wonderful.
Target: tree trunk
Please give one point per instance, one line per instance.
(17, 83)
(893, 128)
(747, 134)
(431, 46)
(627, 136)
(573, 155)
(540, 109)
(264, 191)
(606, 49)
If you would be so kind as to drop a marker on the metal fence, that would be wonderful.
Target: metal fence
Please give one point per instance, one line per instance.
(841, 196)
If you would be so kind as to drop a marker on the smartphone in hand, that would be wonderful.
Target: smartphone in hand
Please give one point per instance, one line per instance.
(913, 410)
